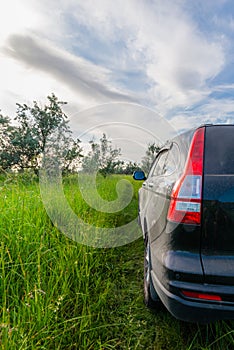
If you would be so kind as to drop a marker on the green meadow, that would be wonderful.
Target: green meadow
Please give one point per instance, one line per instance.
(58, 294)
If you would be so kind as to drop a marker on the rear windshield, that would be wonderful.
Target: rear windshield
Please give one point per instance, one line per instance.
(219, 150)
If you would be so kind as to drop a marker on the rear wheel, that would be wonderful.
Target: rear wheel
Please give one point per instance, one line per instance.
(151, 298)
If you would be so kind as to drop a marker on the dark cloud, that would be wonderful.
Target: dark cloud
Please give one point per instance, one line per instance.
(83, 77)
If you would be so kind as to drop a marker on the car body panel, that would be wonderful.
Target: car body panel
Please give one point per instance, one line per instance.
(217, 245)
(187, 256)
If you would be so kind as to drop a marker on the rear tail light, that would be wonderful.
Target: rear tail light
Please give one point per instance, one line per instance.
(203, 296)
(185, 205)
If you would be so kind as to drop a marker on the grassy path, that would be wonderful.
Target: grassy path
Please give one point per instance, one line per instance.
(57, 294)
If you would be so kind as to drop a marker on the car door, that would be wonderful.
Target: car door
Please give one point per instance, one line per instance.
(156, 184)
(149, 198)
(165, 179)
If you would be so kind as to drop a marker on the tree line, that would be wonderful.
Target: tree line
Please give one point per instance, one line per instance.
(23, 143)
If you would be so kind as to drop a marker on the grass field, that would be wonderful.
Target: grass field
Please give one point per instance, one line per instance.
(58, 294)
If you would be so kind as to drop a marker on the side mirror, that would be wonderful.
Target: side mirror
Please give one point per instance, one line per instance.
(139, 175)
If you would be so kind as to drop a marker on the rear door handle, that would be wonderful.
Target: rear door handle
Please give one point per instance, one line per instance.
(151, 184)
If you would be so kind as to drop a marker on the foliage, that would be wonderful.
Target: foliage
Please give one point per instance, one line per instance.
(36, 127)
(127, 168)
(72, 156)
(45, 131)
(149, 157)
(7, 135)
(102, 157)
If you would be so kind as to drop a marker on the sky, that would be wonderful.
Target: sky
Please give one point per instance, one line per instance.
(138, 70)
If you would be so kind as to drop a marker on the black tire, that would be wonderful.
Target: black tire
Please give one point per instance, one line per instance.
(151, 298)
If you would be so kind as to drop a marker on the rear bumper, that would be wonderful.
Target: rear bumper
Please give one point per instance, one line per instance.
(193, 310)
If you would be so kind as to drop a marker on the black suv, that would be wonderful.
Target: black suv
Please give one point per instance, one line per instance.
(186, 212)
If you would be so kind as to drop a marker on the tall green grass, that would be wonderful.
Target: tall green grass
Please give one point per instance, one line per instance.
(57, 294)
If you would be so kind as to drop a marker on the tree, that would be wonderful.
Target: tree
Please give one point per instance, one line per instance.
(102, 157)
(36, 125)
(7, 135)
(149, 157)
(39, 128)
(72, 156)
(127, 168)
(130, 167)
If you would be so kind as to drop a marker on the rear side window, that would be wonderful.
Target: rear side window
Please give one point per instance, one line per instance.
(219, 150)
(159, 167)
(166, 162)
(173, 160)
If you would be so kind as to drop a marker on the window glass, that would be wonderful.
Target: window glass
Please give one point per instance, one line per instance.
(172, 160)
(219, 150)
(159, 167)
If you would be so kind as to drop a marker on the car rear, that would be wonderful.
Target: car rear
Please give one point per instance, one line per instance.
(193, 258)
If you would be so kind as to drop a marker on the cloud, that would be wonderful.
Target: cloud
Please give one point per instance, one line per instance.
(159, 53)
(18, 17)
(130, 126)
(159, 42)
(213, 111)
(161, 37)
(88, 80)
